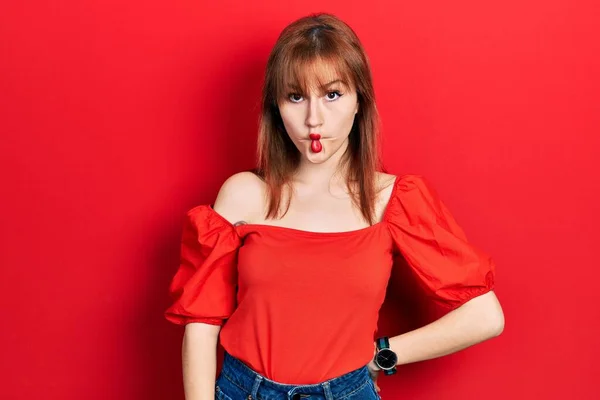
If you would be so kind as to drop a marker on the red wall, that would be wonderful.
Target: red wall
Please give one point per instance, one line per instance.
(116, 117)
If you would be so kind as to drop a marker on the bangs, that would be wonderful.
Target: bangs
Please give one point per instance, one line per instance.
(303, 74)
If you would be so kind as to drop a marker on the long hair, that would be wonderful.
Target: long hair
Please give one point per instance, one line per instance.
(305, 42)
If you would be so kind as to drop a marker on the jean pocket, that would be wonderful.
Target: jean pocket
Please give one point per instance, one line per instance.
(219, 395)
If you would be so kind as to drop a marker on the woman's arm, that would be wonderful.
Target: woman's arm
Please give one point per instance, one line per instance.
(239, 197)
(199, 360)
(479, 319)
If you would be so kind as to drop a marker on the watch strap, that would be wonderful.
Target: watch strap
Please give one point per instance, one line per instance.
(383, 343)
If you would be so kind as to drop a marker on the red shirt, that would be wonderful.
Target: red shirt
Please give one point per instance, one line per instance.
(301, 307)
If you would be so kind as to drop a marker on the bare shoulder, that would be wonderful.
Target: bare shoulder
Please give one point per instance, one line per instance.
(241, 198)
(384, 184)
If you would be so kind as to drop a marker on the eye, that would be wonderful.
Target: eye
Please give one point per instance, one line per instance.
(295, 97)
(334, 95)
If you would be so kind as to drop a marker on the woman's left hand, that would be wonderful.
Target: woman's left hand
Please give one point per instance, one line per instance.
(374, 369)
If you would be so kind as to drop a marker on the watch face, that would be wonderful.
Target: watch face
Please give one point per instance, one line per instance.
(386, 359)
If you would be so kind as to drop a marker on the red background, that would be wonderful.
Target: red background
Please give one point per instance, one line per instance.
(116, 117)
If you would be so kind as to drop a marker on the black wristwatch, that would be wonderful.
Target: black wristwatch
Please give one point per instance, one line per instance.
(385, 358)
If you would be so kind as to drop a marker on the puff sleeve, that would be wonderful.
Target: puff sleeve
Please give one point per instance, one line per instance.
(450, 269)
(204, 286)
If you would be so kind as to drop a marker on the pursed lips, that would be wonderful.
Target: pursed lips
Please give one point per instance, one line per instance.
(321, 138)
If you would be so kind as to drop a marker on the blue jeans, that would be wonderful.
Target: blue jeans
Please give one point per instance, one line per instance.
(238, 382)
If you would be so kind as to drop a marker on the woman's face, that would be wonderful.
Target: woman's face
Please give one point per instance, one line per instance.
(328, 111)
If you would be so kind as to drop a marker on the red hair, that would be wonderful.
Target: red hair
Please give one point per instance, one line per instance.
(303, 44)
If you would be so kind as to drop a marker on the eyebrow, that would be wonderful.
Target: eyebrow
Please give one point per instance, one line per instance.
(295, 87)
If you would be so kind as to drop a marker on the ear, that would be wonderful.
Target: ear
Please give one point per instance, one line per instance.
(356, 109)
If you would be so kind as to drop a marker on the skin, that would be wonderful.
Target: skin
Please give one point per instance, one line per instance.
(321, 204)
(329, 112)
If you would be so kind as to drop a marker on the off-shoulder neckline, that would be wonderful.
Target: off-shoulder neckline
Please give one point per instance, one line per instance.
(304, 232)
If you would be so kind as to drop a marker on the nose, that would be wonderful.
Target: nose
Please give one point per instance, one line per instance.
(314, 116)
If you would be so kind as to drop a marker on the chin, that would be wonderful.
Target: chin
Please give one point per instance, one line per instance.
(329, 150)
(316, 158)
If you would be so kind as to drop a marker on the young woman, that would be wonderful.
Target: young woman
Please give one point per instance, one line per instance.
(289, 266)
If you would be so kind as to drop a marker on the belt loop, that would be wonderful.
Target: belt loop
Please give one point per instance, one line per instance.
(327, 390)
(257, 381)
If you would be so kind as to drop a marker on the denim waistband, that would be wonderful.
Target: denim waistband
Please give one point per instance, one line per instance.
(252, 382)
